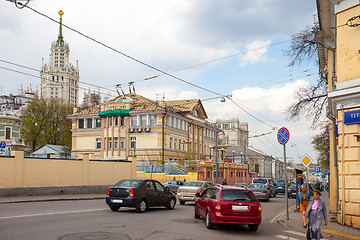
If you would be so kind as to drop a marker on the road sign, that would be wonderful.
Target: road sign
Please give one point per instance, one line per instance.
(2, 144)
(283, 135)
(306, 160)
(317, 170)
(214, 167)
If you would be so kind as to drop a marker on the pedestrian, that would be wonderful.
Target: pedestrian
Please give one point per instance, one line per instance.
(315, 213)
(224, 182)
(174, 178)
(184, 180)
(317, 185)
(302, 201)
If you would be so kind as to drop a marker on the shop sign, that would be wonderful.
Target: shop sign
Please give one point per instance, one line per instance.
(352, 117)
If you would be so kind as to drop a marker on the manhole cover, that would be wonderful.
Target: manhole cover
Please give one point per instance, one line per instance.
(95, 236)
(113, 225)
(191, 221)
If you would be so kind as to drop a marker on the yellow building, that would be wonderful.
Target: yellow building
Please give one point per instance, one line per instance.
(132, 125)
(339, 54)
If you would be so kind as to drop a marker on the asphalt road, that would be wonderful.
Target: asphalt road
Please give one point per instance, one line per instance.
(92, 219)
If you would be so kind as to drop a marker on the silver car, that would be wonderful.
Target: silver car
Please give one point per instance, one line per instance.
(189, 189)
(260, 190)
(173, 185)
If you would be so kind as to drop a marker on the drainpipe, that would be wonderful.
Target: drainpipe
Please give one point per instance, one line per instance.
(333, 119)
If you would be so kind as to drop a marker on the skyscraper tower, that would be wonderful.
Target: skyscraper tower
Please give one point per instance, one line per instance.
(59, 78)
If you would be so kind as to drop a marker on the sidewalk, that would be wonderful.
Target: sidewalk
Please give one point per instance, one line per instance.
(333, 230)
(46, 198)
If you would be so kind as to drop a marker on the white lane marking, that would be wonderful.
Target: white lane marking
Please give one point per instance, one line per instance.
(286, 237)
(296, 233)
(53, 213)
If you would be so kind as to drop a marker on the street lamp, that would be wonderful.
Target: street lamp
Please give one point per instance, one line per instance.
(241, 157)
(233, 152)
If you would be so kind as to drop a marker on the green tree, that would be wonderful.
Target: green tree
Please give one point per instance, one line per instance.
(45, 121)
(322, 147)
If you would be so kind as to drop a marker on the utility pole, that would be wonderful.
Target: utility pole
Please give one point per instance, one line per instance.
(216, 155)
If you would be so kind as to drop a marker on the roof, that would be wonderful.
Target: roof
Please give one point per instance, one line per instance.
(51, 149)
(140, 103)
(238, 151)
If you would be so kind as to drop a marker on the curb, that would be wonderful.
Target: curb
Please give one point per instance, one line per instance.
(51, 200)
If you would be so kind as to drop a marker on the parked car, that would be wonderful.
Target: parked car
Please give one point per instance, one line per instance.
(269, 184)
(228, 205)
(189, 189)
(244, 185)
(280, 186)
(292, 190)
(173, 185)
(140, 194)
(260, 190)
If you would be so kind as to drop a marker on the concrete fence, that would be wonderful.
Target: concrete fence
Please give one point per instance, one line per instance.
(17, 171)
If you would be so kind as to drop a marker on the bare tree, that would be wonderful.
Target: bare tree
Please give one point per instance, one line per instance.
(311, 100)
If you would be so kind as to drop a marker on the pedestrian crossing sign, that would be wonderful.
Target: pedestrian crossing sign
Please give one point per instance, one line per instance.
(306, 160)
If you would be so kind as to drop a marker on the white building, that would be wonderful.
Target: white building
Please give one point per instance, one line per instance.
(59, 78)
(12, 104)
(236, 133)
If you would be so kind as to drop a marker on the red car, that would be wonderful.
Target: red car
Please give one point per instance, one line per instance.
(230, 205)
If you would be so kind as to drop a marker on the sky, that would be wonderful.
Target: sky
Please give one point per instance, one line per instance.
(230, 47)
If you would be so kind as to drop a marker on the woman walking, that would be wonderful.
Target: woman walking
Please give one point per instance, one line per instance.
(315, 213)
(302, 201)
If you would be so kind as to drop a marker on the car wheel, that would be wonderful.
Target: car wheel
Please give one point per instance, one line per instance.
(182, 202)
(171, 204)
(208, 222)
(275, 195)
(267, 199)
(253, 227)
(114, 208)
(142, 206)
(196, 215)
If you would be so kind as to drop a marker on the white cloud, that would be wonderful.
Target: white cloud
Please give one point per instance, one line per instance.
(256, 52)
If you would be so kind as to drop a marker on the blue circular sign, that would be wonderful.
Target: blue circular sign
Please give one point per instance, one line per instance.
(283, 135)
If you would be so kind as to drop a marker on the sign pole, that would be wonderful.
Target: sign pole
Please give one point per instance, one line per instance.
(216, 155)
(286, 185)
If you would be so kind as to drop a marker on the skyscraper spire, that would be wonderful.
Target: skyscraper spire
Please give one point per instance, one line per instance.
(60, 40)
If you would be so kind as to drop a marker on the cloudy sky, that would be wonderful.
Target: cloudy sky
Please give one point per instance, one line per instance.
(229, 47)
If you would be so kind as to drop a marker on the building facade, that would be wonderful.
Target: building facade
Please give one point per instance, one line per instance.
(132, 125)
(13, 104)
(10, 133)
(338, 37)
(59, 78)
(236, 133)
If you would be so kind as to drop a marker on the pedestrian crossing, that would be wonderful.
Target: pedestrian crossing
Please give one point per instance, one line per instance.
(293, 235)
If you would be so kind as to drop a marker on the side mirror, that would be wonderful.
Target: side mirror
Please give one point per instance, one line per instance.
(167, 189)
(197, 194)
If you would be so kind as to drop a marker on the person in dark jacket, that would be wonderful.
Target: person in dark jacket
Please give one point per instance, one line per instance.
(315, 213)
(224, 182)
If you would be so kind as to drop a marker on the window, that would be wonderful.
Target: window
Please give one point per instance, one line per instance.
(122, 143)
(196, 114)
(110, 119)
(150, 185)
(170, 143)
(174, 122)
(133, 121)
(122, 121)
(89, 123)
(169, 123)
(116, 121)
(143, 120)
(98, 122)
(116, 143)
(81, 123)
(159, 187)
(98, 143)
(180, 124)
(133, 142)
(179, 145)
(153, 120)
(7, 132)
(110, 143)
(175, 143)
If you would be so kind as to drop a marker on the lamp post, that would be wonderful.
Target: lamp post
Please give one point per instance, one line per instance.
(233, 152)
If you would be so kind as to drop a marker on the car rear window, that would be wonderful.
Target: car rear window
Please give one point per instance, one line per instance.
(259, 180)
(237, 195)
(257, 185)
(133, 183)
(193, 184)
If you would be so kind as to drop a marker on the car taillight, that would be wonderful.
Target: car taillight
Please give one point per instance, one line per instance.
(107, 193)
(217, 207)
(199, 190)
(131, 193)
(178, 190)
(259, 208)
(264, 192)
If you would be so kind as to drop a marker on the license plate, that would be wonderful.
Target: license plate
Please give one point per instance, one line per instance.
(117, 201)
(240, 208)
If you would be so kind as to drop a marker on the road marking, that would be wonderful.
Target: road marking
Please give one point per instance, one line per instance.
(53, 213)
(283, 212)
(286, 237)
(341, 234)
